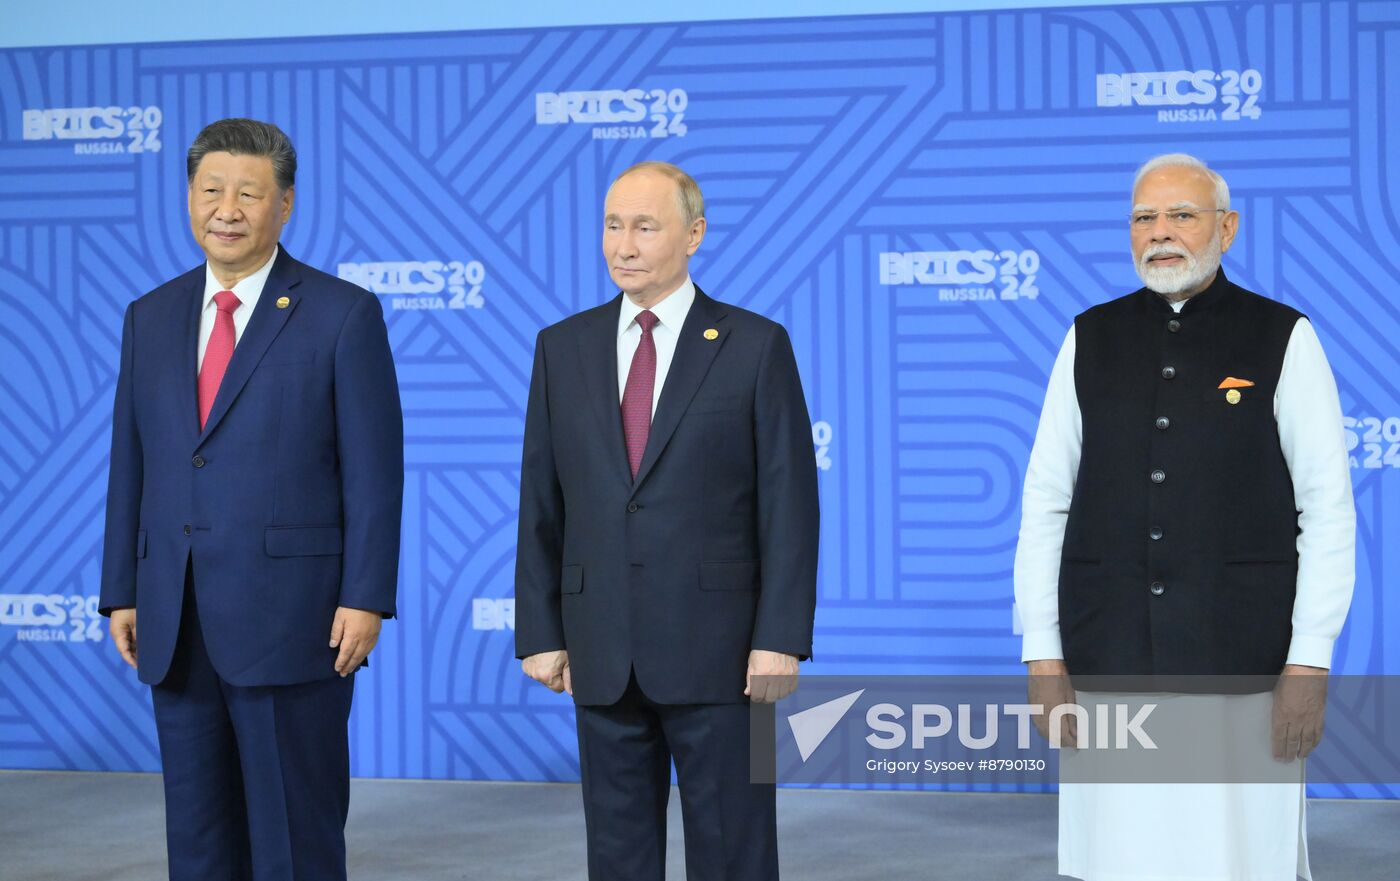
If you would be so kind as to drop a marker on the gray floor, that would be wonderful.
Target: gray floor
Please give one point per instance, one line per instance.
(69, 826)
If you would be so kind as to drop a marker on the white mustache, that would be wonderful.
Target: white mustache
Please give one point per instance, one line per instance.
(1159, 250)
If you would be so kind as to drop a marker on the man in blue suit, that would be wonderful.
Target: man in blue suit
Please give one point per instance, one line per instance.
(252, 522)
(666, 572)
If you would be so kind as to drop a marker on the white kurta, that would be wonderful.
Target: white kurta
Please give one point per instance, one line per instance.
(1200, 832)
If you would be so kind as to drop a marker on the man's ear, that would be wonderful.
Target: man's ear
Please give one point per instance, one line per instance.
(697, 235)
(1228, 227)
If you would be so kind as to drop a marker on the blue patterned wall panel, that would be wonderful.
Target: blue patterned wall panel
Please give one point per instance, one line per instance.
(925, 201)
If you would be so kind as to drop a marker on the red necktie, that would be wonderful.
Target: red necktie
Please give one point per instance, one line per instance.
(637, 395)
(217, 353)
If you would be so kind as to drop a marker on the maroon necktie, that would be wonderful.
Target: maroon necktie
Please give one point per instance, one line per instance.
(637, 395)
(218, 352)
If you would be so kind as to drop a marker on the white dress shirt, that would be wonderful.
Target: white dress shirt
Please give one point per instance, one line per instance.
(1309, 416)
(670, 314)
(248, 291)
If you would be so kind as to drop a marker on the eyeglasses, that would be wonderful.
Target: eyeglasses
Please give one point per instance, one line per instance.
(1180, 218)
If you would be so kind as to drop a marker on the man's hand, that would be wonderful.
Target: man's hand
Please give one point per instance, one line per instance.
(123, 630)
(355, 633)
(550, 669)
(1049, 686)
(778, 674)
(1300, 700)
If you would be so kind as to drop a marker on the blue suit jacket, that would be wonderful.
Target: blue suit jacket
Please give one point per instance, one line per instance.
(709, 553)
(289, 501)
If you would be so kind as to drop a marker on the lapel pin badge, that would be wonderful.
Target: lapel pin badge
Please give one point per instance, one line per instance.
(1233, 396)
(283, 302)
(711, 334)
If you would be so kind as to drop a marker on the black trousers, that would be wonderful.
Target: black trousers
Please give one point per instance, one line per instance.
(625, 754)
(257, 779)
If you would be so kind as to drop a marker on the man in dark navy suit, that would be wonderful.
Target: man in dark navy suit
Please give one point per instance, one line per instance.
(252, 522)
(666, 573)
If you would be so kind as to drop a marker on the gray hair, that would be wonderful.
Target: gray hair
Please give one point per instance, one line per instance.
(1185, 160)
(692, 203)
(246, 137)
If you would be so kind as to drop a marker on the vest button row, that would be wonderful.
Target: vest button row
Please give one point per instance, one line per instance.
(1158, 588)
(1168, 372)
(1173, 325)
(197, 461)
(1163, 423)
(1155, 533)
(1158, 476)
(188, 530)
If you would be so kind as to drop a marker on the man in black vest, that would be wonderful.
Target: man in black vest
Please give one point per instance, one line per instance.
(1187, 511)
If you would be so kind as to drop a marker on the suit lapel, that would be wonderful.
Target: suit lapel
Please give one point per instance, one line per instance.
(597, 349)
(694, 355)
(187, 358)
(262, 329)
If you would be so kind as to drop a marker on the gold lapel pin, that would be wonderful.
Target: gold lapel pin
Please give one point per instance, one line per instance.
(712, 334)
(1233, 396)
(283, 302)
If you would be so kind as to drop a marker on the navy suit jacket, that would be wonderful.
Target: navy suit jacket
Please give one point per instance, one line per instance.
(709, 553)
(288, 502)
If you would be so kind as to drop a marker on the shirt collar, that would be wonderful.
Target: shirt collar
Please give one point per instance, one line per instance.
(248, 290)
(670, 312)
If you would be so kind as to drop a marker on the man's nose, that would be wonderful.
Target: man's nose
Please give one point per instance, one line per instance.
(227, 209)
(1162, 230)
(627, 244)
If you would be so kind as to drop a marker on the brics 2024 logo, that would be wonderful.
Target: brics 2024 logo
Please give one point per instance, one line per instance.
(1185, 95)
(51, 617)
(97, 130)
(421, 284)
(961, 276)
(617, 113)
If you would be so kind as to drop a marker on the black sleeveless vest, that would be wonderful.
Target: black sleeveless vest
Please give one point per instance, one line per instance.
(1180, 553)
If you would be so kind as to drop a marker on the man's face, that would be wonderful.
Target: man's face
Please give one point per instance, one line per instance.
(237, 212)
(1178, 252)
(645, 238)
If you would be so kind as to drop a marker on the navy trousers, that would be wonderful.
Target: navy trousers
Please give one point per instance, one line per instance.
(257, 780)
(625, 755)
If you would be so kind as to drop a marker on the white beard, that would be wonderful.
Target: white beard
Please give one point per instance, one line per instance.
(1171, 280)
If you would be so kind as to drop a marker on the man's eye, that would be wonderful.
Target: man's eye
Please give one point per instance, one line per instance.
(1143, 219)
(1183, 216)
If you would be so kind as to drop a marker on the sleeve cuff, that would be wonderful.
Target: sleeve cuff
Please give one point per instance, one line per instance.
(1041, 645)
(1311, 651)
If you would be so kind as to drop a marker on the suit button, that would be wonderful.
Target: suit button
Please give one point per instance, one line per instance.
(633, 507)
(1163, 423)
(198, 461)
(1168, 372)
(1173, 325)
(1155, 533)
(1158, 476)
(187, 529)
(1158, 588)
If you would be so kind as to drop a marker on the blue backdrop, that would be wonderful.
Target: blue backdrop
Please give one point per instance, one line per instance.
(925, 201)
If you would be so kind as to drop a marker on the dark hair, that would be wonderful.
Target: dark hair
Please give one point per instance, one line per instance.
(246, 137)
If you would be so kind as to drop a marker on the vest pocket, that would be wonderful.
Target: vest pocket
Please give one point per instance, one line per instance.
(729, 575)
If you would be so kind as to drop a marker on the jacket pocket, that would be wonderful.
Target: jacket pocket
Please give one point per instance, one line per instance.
(729, 575)
(302, 541)
(571, 580)
(140, 544)
(1260, 560)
